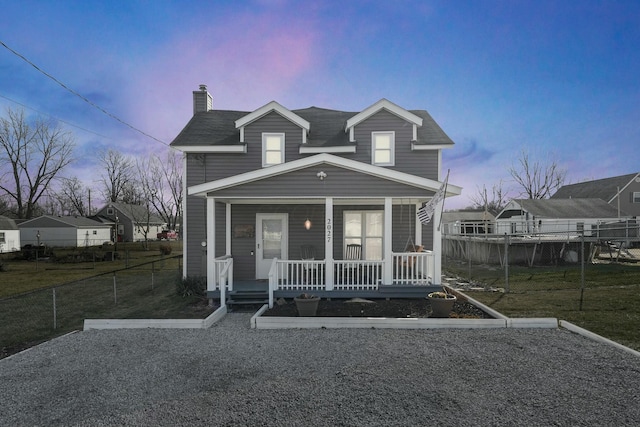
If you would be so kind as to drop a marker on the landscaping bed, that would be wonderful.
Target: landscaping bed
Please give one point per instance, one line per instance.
(392, 308)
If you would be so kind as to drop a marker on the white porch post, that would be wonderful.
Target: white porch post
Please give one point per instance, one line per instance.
(328, 242)
(211, 244)
(418, 227)
(387, 256)
(437, 245)
(228, 230)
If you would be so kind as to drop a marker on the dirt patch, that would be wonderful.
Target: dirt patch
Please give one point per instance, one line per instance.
(392, 308)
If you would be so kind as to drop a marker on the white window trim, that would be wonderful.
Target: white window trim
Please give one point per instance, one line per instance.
(264, 148)
(363, 235)
(392, 156)
(635, 197)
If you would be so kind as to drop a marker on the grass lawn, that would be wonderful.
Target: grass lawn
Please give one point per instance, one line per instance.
(610, 301)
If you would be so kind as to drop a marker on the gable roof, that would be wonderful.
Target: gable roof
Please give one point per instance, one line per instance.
(136, 213)
(215, 130)
(7, 223)
(61, 221)
(562, 208)
(318, 159)
(383, 104)
(266, 109)
(605, 189)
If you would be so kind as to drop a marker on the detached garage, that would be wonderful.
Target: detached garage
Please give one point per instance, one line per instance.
(64, 231)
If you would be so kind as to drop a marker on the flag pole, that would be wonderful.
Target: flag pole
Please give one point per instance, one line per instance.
(444, 197)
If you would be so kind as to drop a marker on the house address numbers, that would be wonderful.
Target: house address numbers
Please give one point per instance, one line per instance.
(329, 230)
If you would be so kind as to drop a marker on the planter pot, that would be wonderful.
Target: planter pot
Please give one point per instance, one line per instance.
(307, 306)
(441, 307)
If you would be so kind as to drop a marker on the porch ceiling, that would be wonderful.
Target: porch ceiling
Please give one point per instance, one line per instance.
(318, 201)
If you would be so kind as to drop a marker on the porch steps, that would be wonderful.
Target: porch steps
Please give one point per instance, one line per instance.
(247, 297)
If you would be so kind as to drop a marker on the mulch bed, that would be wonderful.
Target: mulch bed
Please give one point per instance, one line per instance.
(392, 308)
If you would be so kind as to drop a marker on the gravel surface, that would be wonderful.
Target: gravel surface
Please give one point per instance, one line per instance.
(231, 375)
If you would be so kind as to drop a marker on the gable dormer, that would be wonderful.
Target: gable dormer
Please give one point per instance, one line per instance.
(386, 105)
(273, 106)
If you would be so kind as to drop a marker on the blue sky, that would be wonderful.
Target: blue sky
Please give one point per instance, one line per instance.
(557, 78)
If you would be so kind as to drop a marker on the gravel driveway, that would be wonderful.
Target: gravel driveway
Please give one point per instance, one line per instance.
(231, 375)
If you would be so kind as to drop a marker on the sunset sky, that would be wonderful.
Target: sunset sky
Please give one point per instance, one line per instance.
(560, 79)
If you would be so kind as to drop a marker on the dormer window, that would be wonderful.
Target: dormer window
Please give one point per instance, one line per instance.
(272, 149)
(382, 148)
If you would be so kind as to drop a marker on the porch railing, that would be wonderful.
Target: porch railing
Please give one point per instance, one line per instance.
(223, 274)
(413, 268)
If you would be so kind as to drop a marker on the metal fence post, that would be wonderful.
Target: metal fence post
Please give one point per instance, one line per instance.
(152, 268)
(581, 269)
(469, 256)
(55, 320)
(506, 262)
(115, 289)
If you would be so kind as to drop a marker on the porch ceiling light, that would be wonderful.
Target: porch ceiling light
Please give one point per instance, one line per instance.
(307, 224)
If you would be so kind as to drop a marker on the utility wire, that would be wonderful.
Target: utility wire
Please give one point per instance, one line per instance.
(80, 96)
(54, 117)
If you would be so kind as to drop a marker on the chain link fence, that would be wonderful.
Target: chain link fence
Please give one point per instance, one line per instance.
(136, 292)
(539, 261)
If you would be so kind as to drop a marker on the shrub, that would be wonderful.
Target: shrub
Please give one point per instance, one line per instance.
(190, 285)
(3, 266)
(165, 249)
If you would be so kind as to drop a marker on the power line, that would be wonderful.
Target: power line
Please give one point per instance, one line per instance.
(80, 96)
(54, 117)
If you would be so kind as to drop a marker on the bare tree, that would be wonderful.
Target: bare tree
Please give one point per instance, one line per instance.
(493, 202)
(72, 197)
(116, 176)
(161, 182)
(537, 180)
(32, 155)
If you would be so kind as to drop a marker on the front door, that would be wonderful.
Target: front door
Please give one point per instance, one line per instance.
(271, 241)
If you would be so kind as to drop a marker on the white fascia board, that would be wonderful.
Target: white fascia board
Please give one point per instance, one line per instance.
(266, 109)
(420, 147)
(318, 150)
(392, 175)
(212, 148)
(387, 105)
(624, 188)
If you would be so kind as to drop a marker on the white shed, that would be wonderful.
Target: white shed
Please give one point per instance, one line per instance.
(9, 235)
(64, 231)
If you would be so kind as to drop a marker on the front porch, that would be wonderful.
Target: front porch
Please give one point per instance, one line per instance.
(403, 275)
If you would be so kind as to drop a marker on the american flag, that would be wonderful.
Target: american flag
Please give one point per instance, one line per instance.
(425, 213)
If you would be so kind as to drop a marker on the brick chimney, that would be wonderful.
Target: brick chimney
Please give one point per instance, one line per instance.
(202, 100)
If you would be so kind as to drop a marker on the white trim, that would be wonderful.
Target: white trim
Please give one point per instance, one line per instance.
(415, 132)
(266, 135)
(328, 245)
(228, 230)
(624, 188)
(304, 136)
(387, 240)
(183, 226)
(352, 135)
(278, 108)
(242, 134)
(212, 148)
(330, 159)
(318, 150)
(211, 244)
(424, 147)
(392, 148)
(387, 105)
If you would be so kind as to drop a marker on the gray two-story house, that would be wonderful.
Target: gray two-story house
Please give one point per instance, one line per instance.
(311, 200)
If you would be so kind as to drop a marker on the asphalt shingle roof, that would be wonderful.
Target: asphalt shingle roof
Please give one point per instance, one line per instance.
(217, 127)
(604, 189)
(568, 208)
(7, 223)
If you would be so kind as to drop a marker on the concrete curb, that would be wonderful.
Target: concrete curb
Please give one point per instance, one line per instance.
(588, 334)
(156, 323)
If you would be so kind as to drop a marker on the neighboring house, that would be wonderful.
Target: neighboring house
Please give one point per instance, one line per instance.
(9, 235)
(556, 216)
(468, 222)
(64, 231)
(269, 187)
(134, 222)
(621, 192)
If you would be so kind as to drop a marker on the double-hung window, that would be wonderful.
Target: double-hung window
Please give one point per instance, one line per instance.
(2, 237)
(365, 228)
(382, 148)
(636, 197)
(272, 149)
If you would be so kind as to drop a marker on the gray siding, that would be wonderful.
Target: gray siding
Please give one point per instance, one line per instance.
(420, 163)
(626, 200)
(339, 182)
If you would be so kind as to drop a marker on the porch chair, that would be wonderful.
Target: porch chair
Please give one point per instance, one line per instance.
(353, 252)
